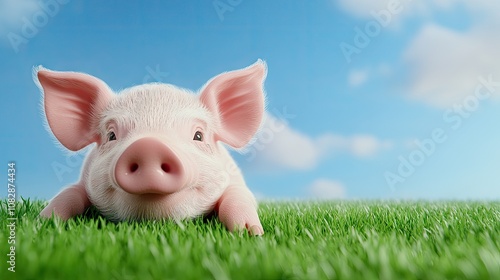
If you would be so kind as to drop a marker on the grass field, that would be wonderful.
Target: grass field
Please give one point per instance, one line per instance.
(303, 240)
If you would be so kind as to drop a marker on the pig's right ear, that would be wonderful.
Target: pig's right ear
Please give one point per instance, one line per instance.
(72, 103)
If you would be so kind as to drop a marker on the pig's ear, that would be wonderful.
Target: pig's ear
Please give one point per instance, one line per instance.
(237, 100)
(72, 102)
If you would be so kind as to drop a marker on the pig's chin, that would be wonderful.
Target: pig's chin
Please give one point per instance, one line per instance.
(119, 205)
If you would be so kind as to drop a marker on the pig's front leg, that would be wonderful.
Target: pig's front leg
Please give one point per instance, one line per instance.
(68, 203)
(237, 209)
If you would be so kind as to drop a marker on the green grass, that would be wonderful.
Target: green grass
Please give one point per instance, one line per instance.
(347, 240)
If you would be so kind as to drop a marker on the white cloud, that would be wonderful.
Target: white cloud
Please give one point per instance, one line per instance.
(278, 146)
(483, 10)
(384, 70)
(362, 8)
(357, 77)
(361, 146)
(12, 13)
(390, 12)
(365, 8)
(445, 64)
(326, 189)
(367, 145)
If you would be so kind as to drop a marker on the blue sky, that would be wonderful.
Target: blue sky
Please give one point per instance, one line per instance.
(340, 124)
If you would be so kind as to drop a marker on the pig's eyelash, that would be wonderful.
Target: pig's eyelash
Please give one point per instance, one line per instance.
(200, 123)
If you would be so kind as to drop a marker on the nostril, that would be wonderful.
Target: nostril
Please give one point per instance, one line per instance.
(134, 167)
(165, 167)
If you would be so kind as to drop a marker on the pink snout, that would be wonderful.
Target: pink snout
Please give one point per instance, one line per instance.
(148, 166)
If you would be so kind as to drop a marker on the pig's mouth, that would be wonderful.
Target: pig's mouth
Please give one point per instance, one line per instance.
(151, 196)
(163, 195)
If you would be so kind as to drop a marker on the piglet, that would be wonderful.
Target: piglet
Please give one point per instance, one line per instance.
(158, 151)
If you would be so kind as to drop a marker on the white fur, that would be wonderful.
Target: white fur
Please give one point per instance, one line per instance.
(167, 113)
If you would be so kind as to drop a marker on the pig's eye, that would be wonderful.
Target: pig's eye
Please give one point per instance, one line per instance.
(198, 136)
(111, 136)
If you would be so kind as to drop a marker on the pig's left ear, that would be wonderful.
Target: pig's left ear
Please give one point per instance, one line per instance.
(236, 99)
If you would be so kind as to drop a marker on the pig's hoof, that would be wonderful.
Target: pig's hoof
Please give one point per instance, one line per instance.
(49, 213)
(256, 230)
(46, 213)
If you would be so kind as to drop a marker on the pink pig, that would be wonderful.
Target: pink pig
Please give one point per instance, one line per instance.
(158, 152)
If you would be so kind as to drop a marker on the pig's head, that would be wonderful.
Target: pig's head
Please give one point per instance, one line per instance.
(157, 153)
